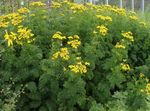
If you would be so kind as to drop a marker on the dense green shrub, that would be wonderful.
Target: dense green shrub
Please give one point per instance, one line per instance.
(74, 57)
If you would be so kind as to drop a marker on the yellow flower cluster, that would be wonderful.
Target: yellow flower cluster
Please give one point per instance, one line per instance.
(142, 75)
(79, 67)
(128, 35)
(15, 18)
(74, 41)
(58, 35)
(39, 4)
(133, 17)
(10, 38)
(23, 34)
(3, 22)
(63, 53)
(78, 7)
(114, 9)
(119, 46)
(119, 11)
(125, 67)
(143, 24)
(103, 30)
(147, 88)
(23, 10)
(105, 18)
(56, 5)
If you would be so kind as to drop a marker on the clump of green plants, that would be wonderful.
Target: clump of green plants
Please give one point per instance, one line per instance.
(75, 57)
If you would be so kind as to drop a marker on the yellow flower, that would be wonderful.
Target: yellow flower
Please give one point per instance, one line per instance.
(76, 37)
(78, 58)
(119, 46)
(15, 18)
(125, 67)
(87, 63)
(56, 5)
(70, 37)
(119, 11)
(94, 32)
(3, 24)
(55, 56)
(78, 7)
(146, 79)
(142, 75)
(10, 38)
(105, 18)
(147, 88)
(64, 69)
(128, 35)
(142, 90)
(74, 68)
(58, 35)
(78, 68)
(32, 15)
(63, 53)
(37, 4)
(133, 17)
(103, 30)
(74, 43)
(143, 24)
(24, 34)
(23, 10)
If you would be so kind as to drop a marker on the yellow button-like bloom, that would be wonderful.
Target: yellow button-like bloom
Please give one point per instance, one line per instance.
(10, 38)
(78, 8)
(3, 21)
(56, 55)
(143, 24)
(24, 34)
(3, 24)
(37, 4)
(147, 88)
(94, 32)
(105, 18)
(23, 10)
(56, 5)
(74, 68)
(63, 53)
(87, 63)
(125, 67)
(15, 18)
(133, 17)
(76, 37)
(58, 35)
(70, 37)
(78, 58)
(128, 35)
(142, 75)
(78, 68)
(119, 46)
(103, 30)
(74, 43)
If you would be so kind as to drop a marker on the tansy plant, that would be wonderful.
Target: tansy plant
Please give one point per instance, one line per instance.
(75, 57)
